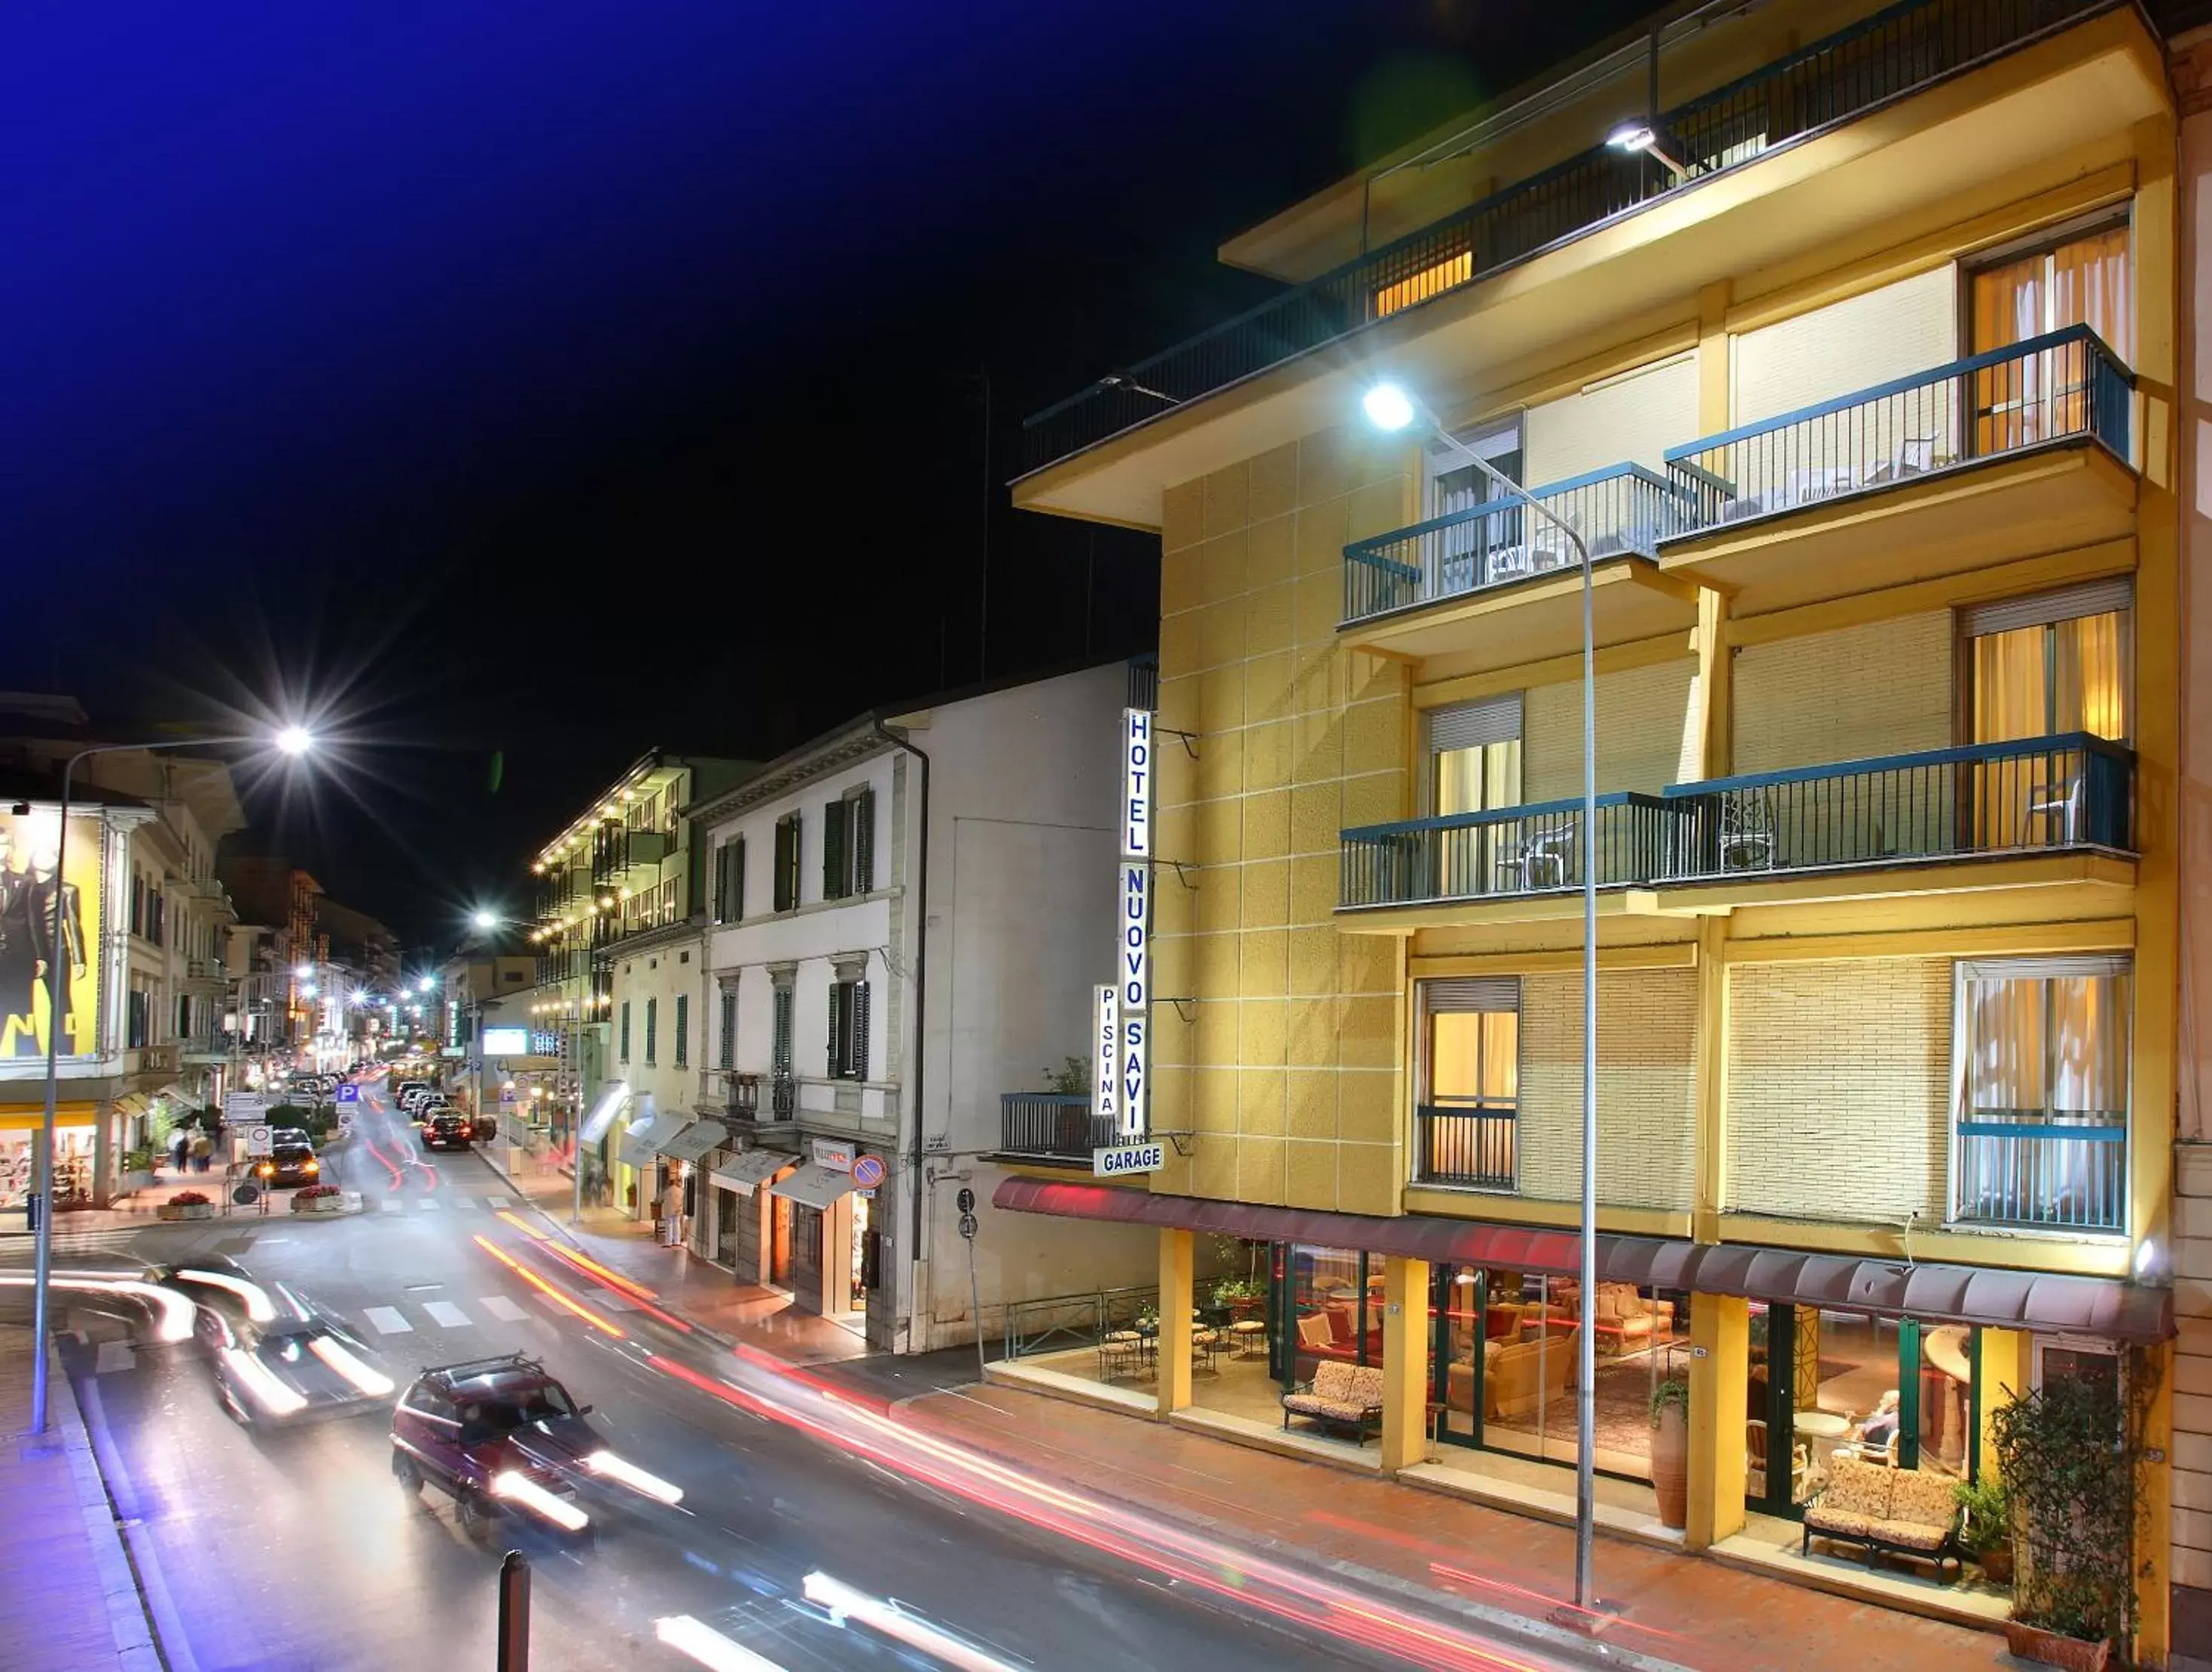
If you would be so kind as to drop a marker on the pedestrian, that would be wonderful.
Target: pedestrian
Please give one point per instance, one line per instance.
(203, 1148)
(180, 1148)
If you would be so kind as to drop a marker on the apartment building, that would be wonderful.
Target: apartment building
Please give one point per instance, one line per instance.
(898, 958)
(1851, 367)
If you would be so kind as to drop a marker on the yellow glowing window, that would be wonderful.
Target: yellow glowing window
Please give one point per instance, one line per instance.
(1432, 281)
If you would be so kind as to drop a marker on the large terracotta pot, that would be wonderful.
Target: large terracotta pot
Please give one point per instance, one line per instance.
(2049, 1648)
(1670, 1467)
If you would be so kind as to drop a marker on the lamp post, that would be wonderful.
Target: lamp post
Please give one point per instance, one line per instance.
(292, 741)
(1390, 407)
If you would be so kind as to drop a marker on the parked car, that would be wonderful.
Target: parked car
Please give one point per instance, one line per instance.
(501, 1438)
(447, 1129)
(299, 1366)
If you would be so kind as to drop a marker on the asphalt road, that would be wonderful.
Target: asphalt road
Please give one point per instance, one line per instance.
(299, 1550)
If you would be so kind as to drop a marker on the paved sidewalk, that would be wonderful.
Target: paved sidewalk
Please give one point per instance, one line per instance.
(72, 1602)
(1675, 1607)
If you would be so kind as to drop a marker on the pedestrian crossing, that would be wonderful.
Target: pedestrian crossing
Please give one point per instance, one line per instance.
(447, 1204)
(404, 1319)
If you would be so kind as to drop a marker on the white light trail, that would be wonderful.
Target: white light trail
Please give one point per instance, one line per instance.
(367, 1379)
(259, 1306)
(519, 1488)
(608, 1467)
(841, 1598)
(269, 1392)
(708, 1647)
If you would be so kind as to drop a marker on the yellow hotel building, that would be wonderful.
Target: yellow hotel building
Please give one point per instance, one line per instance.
(1854, 375)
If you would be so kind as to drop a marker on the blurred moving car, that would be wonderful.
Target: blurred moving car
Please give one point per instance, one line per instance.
(298, 1366)
(501, 1438)
(447, 1129)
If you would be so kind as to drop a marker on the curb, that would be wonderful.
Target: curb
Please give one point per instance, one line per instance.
(128, 1615)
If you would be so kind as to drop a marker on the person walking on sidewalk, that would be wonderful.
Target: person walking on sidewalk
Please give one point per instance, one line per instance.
(203, 1148)
(180, 1148)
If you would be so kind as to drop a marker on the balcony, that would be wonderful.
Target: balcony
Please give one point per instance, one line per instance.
(1049, 1126)
(2019, 450)
(1467, 1143)
(1779, 163)
(2032, 1170)
(733, 1091)
(1510, 852)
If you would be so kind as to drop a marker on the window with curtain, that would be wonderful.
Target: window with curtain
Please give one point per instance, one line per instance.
(1462, 556)
(2042, 1075)
(1473, 765)
(1470, 1069)
(2083, 278)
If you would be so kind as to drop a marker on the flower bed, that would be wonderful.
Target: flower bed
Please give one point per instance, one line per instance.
(185, 1205)
(319, 1199)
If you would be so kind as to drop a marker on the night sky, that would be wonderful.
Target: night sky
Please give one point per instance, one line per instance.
(549, 381)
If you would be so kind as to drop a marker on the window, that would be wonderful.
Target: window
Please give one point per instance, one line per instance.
(1472, 764)
(683, 1041)
(730, 881)
(183, 1016)
(786, 862)
(652, 1026)
(848, 843)
(2052, 663)
(1464, 555)
(621, 1049)
(1467, 1106)
(2080, 278)
(138, 1024)
(2041, 1065)
(726, 1051)
(669, 910)
(848, 1029)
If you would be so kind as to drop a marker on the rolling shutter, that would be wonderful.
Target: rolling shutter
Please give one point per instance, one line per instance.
(2094, 597)
(1470, 725)
(1893, 332)
(1460, 995)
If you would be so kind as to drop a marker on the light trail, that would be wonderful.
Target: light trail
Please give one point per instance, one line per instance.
(708, 1646)
(559, 1297)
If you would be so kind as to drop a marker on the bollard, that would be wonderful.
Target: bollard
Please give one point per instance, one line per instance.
(514, 1613)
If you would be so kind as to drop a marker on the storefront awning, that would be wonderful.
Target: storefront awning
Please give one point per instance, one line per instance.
(1928, 1293)
(813, 1185)
(746, 1173)
(135, 1103)
(689, 1141)
(636, 1148)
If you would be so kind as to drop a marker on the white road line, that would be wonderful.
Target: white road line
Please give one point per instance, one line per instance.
(391, 1205)
(113, 1356)
(497, 1203)
(445, 1312)
(429, 1204)
(502, 1308)
(551, 1304)
(388, 1321)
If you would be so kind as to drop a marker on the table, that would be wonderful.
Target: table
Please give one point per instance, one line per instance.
(1820, 1424)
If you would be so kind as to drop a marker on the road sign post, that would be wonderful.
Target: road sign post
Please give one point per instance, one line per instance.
(967, 1229)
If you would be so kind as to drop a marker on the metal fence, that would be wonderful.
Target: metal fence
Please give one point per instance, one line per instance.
(2072, 791)
(1533, 849)
(1470, 1142)
(1060, 1323)
(1052, 1123)
(1622, 508)
(1834, 80)
(2063, 384)
(2029, 1167)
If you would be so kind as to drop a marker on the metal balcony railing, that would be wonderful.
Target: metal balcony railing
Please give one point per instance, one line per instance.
(2066, 1171)
(2064, 386)
(1145, 681)
(1467, 1141)
(1508, 852)
(1835, 80)
(1052, 1124)
(782, 1096)
(2026, 796)
(1623, 508)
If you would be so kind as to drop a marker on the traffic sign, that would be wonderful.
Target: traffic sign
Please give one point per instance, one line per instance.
(965, 1200)
(259, 1139)
(868, 1172)
(967, 1226)
(349, 1092)
(345, 1120)
(245, 1196)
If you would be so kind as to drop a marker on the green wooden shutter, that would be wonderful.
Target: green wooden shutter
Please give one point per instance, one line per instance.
(780, 1046)
(738, 881)
(833, 850)
(652, 1027)
(863, 841)
(683, 1030)
(625, 1030)
(727, 1050)
(858, 1052)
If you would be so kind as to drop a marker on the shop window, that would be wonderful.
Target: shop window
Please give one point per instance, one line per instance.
(2041, 1064)
(1466, 1113)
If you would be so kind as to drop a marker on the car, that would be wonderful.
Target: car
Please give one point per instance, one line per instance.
(289, 1163)
(290, 1135)
(401, 1091)
(298, 1367)
(448, 1129)
(501, 1438)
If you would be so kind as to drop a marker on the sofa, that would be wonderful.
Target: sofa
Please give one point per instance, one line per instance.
(1340, 1395)
(1907, 1512)
(1331, 1332)
(1624, 1319)
(1516, 1375)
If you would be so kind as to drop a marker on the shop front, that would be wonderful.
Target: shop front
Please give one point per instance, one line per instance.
(822, 1245)
(743, 1214)
(80, 1157)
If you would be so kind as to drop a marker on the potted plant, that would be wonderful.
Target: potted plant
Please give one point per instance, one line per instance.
(1985, 1528)
(319, 1199)
(1670, 1451)
(186, 1205)
(138, 1171)
(2070, 1454)
(1239, 1297)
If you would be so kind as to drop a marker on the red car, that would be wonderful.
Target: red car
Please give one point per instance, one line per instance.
(501, 1438)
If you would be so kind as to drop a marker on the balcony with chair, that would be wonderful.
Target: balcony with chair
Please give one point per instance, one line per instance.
(1052, 1129)
(1501, 583)
(1997, 456)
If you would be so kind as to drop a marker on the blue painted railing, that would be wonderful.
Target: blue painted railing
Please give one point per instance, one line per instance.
(2072, 791)
(1833, 80)
(2028, 1167)
(1533, 849)
(2064, 386)
(1623, 508)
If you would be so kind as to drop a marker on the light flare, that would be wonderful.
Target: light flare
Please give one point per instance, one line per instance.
(708, 1646)
(268, 1389)
(519, 1488)
(372, 1381)
(608, 1467)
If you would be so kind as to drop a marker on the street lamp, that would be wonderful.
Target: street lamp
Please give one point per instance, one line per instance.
(1390, 407)
(486, 920)
(292, 741)
(1633, 136)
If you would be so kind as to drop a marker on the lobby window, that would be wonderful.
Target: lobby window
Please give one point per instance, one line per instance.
(1467, 1108)
(848, 1029)
(652, 1027)
(622, 1038)
(848, 843)
(2040, 1068)
(682, 1039)
(787, 830)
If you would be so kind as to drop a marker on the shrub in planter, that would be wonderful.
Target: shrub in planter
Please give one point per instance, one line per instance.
(185, 1205)
(190, 1199)
(1670, 1451)
(318, 1199)
(1986, 1533)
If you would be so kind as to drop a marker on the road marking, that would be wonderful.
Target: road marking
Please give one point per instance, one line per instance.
(428, 1204)
(391, 1205)
(615, 1302)
(445, 1312)
(113, 1356)
(495, 1202)
(502, 1308)
(388, 1321)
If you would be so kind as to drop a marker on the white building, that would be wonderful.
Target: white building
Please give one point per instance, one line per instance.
(910, 914)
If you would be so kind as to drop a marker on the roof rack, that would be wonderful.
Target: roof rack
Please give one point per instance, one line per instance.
(467, 1368)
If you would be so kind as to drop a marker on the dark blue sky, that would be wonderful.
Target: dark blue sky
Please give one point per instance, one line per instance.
(563, 378)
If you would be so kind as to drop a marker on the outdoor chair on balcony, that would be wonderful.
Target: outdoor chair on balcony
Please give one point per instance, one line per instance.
(2059, 806)
(1746, 833)
(1541, 861)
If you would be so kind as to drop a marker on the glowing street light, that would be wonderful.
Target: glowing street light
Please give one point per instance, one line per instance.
(484, 920)
(1635, 136)
(294, 741)
(303, 971)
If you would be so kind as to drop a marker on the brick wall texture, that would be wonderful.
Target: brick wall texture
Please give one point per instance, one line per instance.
(1882, 689)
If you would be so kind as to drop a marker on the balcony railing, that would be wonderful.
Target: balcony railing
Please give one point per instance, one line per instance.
(1622, 508)
(1833, 80)
(1512, 851)
(2064, 386)
(2030, 1168)
(1048, 1123)
(782, 1096)
(1467, 1142)
(1145, 681)
(2036, 793)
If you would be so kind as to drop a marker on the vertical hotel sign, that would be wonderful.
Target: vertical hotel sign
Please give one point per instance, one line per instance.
(1133, 942)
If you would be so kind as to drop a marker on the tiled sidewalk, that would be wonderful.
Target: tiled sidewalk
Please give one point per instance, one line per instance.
(71, 1604)
(1673, 1608)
